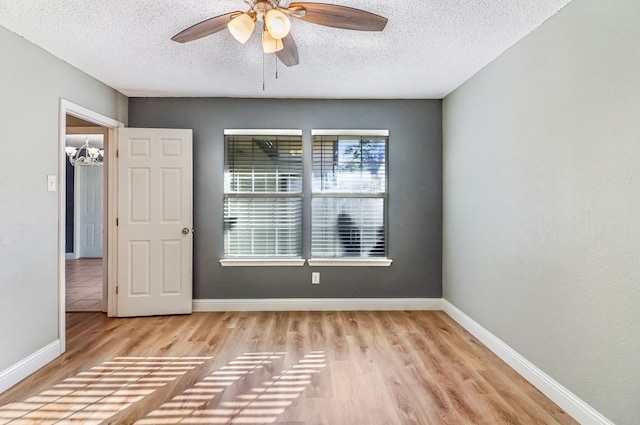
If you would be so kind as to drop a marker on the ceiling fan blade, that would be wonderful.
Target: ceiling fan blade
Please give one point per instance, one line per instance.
(204, 28)
(289, 53)
(333, 15)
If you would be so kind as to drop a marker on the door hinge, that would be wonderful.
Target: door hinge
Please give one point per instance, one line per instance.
(117, 153)
(117, 221)
(116, 290)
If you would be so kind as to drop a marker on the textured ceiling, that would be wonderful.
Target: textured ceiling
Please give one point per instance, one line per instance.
(427, 49)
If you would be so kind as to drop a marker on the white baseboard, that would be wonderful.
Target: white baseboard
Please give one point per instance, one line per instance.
(318, 304)
(564, 398)
(25, 367)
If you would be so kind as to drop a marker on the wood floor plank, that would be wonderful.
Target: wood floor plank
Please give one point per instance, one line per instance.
(285, 368)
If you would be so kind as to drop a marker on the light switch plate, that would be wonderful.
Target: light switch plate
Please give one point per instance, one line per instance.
(51, 183)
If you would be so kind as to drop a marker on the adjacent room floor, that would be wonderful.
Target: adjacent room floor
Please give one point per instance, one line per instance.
(374, 368)
(83, 278)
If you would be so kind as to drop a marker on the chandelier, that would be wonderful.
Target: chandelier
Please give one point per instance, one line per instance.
(85, 154)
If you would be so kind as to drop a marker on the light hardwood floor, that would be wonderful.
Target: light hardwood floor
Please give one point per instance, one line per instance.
(294, 368)
(83, 282)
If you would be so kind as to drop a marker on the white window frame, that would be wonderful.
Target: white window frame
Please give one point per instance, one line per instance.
(261, 262)
(313, 262)
(355, 261)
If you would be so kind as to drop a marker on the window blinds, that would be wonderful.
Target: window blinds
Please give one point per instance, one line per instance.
(263, 195)
(349, 196)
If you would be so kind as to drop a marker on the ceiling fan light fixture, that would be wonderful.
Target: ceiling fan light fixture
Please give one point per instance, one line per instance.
(270, 44)
(241, 27)
(277, 23)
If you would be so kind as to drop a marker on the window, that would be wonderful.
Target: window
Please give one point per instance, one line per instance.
(263, 194)
(348, 207)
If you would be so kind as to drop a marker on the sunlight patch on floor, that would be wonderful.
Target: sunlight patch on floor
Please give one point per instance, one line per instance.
(257, 391)
(90, 397)
(257, 405)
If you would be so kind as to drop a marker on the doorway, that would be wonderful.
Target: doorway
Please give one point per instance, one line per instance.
(123, 181)
(73, 116)
(85, 281)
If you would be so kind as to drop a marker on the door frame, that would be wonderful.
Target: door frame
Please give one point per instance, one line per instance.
(111, 126)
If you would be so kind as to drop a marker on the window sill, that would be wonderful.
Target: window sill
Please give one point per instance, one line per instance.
(266, 262)
(350, 262)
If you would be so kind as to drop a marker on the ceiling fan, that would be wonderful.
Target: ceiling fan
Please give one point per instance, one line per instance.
(276, 37)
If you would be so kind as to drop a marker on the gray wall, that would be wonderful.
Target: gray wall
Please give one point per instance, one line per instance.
(32, 82)
(541, 201)
(415, 192)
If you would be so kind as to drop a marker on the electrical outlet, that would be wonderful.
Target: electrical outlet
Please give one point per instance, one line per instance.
(315, 278)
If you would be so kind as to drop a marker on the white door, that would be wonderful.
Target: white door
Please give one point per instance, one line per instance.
(88, 215)
(155, 241)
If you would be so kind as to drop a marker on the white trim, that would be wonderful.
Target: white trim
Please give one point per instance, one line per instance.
(349, 132)
(110, 247)
(70, 256)
(76, 210)
(87, 115)
(267, 262)
(62, 208)
(67, 107)
(318, 304)
(25, 367)
(262, 132)
(564, 398)
(350, 262)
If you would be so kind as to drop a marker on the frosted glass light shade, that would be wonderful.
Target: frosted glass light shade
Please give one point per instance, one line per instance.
(277, 23)
(241, 27)
(93, 152)
(270, 44)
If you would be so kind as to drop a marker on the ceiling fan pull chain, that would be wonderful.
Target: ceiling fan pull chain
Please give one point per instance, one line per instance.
(276, 57)
(263, 71)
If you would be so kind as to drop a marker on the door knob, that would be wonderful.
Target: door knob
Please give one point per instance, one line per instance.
(185, 231)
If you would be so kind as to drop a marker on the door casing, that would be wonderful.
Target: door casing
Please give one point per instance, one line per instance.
(109, 241)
